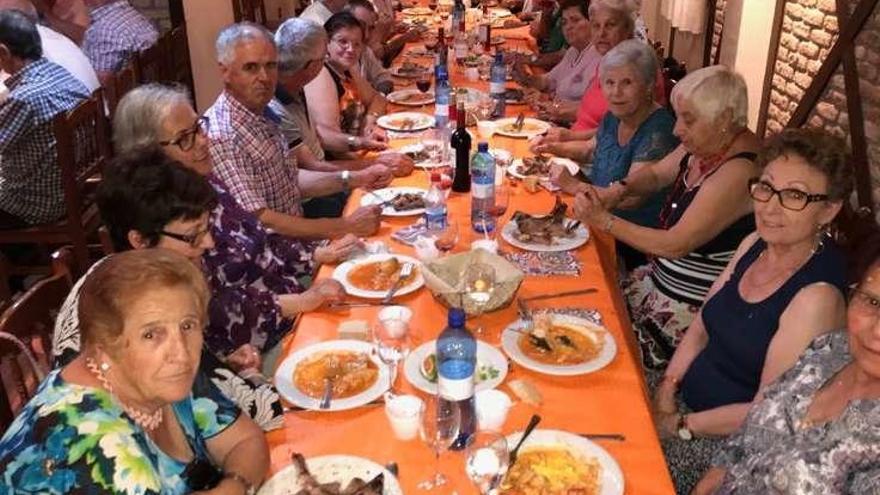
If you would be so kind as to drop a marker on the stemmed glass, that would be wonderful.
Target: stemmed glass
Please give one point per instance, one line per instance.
(391, 337)
(440, 425)
(486, 460)
(479, 283)
(502, 201)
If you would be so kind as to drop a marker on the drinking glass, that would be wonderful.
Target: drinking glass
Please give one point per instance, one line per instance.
(391, 338)
(486, 460)
(440, 424)
(502, 201)
(479, 283)
(423, 83)
(447, 238)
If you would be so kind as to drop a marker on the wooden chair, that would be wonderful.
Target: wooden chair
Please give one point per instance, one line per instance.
(249, 10)
(26, 336)
(153, 63)
(180, 66)
(121, 82)
(82, 149)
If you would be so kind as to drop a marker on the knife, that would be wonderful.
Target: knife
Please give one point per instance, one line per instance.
(560, 294)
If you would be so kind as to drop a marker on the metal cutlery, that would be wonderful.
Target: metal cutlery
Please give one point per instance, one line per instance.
(520, 122)
(393, 468)
(572, 226)
(382, 201)
(405, 271)
(528, 431)
(525, 313)
(589, 290)
(328, 394)
(617, 437)
(342, 305)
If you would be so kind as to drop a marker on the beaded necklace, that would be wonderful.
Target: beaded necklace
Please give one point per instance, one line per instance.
(147, 421)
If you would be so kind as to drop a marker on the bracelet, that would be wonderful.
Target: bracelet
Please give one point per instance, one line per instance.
(249, 488)
(608, 223)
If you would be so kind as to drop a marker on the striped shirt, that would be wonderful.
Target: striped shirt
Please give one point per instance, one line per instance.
(251, 157)
(116, 33)
(30, 179)
(688, 279)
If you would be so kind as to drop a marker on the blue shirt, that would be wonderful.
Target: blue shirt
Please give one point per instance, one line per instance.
(611, 161)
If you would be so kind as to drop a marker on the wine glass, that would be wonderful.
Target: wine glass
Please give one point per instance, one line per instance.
(479, 283)
(502, 201)
(447, 238)
(440, 425)
(390, 337)
(424, 82)
(486, 460)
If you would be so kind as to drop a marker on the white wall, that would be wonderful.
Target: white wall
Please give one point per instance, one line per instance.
(204, 20)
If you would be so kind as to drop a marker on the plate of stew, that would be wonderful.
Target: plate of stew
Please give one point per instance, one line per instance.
(371, 276)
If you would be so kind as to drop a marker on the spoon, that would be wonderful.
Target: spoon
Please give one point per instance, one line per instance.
(528, 431)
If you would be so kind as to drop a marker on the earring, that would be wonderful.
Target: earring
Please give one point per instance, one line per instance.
(105, 367)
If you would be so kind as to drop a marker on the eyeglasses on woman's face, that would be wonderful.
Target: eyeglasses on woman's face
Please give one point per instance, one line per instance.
(194, 240)
(790, 199)
(345, 43)
(865, 302)
(186, 139)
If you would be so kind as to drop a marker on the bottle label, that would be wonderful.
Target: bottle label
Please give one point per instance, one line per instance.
(441, 110)
(435, 220)
(455, 389)
(497, 88)
(482, 191)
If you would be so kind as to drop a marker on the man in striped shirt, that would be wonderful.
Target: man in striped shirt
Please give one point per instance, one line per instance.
(116, 34)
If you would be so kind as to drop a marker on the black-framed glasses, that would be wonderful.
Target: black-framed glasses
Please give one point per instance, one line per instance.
(194, 240)
(790, 199)
(187, 138)
(864, 301)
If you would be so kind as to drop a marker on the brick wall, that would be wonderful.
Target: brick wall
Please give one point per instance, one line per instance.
(809, 30)
(157, 10)
(720, 6)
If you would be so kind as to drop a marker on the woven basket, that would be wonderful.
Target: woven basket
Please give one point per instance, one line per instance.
(445, 279)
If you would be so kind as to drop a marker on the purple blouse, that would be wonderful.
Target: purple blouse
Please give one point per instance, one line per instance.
(247, 269)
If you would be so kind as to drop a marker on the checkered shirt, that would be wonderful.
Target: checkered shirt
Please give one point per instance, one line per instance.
(30, 178)
(117, 31)
(252, 158)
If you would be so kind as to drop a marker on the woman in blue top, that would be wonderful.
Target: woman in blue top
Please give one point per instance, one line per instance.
(782, 289)
(131, 415)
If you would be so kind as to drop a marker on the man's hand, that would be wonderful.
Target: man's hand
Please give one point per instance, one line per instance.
(364, 221)
(400, 164)
(338, 249)
(375, 176)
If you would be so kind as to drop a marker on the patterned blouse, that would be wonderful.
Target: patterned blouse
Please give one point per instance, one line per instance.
(772, 453)
(246, 270)
(71, 438)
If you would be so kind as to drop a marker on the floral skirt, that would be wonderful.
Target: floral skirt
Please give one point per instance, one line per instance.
(658, 320)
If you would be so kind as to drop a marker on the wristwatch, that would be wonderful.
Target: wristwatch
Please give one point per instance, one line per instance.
(249, 488)
(345, 177)
(352, 142)
(684, 432)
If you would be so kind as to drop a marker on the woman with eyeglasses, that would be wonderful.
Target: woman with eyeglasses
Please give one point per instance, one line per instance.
(132, 414)
(783, 288)
(817, 428)
(340, 100)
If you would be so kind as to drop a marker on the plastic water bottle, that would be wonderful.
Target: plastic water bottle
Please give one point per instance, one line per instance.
(498, 85)
(441, 97)
(458, 13)
(482, 189)
(456, 364)
(435, 205)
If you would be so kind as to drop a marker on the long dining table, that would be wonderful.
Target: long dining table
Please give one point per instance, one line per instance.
(611, 400)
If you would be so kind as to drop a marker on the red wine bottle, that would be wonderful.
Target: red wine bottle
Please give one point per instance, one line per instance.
(461, 143)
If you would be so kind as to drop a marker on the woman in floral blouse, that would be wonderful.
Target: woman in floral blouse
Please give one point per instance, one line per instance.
(131, 414)
(817, 429)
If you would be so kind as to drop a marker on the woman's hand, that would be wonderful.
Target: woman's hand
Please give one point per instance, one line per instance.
(561, 177)
(338, 249)
(245, 357)
(667, 424)
(589, 209)
(400, 164)
(664, 398)
(364, 221)
(710, 481)
(326, 290)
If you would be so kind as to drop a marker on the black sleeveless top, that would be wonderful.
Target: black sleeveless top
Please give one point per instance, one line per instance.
(728, 370)
(689, 278)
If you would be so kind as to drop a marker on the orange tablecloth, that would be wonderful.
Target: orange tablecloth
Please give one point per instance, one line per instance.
(612, 400)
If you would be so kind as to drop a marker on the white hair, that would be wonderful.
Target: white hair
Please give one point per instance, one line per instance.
(712, 91)
(620, 8)
(299, 41)
(140, 113)
(635, 53)
(237, 33)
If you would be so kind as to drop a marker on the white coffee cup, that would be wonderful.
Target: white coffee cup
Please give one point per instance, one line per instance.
(405, 415)
(490, 245)
(492, 408)
(395, 319)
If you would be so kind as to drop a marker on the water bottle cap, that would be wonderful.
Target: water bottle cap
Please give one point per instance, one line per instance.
(456, 317)
(483, 147)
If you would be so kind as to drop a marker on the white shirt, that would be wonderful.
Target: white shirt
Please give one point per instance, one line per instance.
(61, 50)
(316, 12)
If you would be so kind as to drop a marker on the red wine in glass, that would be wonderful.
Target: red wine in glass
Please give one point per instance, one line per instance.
(424, 85)
(497, 210)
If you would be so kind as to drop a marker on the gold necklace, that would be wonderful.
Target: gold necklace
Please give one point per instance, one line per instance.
(147, 421)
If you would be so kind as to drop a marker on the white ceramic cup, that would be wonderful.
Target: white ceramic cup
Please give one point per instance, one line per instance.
(405, 415)
(492, 408)
(395, 319)
(490, 245)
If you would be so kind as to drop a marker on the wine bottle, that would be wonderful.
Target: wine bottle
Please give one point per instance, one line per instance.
(461, 143)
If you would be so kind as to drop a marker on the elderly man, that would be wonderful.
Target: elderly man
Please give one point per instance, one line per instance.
(321, 10)
(377, 48)
(116, 33)
(68, 17)
(252, 157)
(30, 179)
(58, 48)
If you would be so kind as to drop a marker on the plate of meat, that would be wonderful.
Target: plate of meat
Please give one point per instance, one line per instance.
(397, 201)
(406, 121)
(410, 98)
(545, 233)
(409, 70)
(538, 166)
(332, 475)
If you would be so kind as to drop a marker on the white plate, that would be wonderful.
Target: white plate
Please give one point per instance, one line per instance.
(417, 11)
(582, 234)
(510, 338)
(329, 469)
(611, 478)
(395, 71)
(540, 128)
(421, 121)
(340, 273)
(370, 199)
(288, 390)
(486, 356)
(513, 169)
(416, 148)
(399, 97)
(499, 12)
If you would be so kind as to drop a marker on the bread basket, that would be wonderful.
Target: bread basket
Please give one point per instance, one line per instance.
(445, 279)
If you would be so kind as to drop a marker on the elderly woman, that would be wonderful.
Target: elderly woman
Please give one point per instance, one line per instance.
(707, 214)
(817, 428)
(131, 414)
(342, 104)
(783, 288)
(635, 133)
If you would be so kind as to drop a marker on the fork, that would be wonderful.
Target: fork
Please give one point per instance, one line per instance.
(520, 122)
(572, 226)
(405, 271)
(328, 394)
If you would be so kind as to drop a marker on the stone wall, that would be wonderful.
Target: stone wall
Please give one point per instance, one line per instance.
(157, 10)
(717, 26)
(809, 30)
